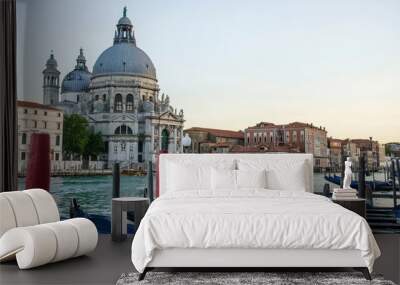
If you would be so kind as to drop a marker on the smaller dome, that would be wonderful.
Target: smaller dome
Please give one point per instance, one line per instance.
(76, 81)
(125, 21)
(51, 61)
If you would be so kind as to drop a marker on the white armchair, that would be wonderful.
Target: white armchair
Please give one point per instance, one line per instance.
(31, 230)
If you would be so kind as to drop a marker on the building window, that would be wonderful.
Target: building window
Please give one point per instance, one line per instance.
(118, 103)
(45, 113)
(57, 156)
(35, 124)
(123, 130)
(294, 136)
(97, 97)
(23, 139)
(104, 97)
(77, 98)
(58, 126)
(35, 112)
(123, 146)
(164, 140)
(45, 124)
(59, 114)
(151, 98)
(302, 136)
(57, 140)
(23, 155)
(129, 103)
(25, 111)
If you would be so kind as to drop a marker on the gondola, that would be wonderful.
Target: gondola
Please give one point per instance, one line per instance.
(374, 185)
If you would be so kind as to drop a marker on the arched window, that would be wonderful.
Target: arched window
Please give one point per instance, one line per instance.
(123, 130)
(164, 140)
(23, 138)
(129, 103)
(104, 97)
(97, 97)
(151, 98)
(118, 103)
(57, 140)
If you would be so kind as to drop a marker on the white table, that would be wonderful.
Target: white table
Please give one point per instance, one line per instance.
(120, 207)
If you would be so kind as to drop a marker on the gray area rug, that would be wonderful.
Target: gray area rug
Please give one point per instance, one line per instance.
(229, 278)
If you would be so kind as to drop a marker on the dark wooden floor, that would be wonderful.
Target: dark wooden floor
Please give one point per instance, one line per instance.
(110, 260)
(103, 266)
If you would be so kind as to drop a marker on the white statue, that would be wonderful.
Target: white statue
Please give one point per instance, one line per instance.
(347, 174)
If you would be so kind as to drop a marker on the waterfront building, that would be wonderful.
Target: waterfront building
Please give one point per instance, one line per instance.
(371, 150)
(337, 148)
(393, 149)
(292, 137)
(38, 118)
(335, 153)
(206, 140)
(382, 154)
(120, 99)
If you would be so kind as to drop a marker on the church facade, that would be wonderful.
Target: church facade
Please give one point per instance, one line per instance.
(120, 99)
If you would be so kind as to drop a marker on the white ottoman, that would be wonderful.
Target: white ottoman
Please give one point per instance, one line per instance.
(37, 245)
(31, 230)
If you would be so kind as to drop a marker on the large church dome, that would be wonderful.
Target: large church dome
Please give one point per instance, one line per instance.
(78, 80)
(124, 57)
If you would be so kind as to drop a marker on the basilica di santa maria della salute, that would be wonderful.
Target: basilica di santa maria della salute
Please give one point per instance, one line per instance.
(120, 99)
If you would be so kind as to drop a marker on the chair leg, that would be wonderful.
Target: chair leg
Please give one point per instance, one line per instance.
(365, 272)
(143, 274)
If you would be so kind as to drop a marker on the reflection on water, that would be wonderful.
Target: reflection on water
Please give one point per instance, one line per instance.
(94, 192)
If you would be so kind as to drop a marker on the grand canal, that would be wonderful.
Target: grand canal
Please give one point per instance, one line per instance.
(94, 192)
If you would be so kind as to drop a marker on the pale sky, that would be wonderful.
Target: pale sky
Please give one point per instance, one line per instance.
(231, 64)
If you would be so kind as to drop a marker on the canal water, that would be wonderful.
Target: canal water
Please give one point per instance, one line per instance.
(94, 192)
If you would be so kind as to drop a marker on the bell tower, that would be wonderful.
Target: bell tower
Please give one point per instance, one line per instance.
(51, 82)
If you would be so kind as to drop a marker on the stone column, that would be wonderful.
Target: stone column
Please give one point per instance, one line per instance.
(135, 149)
(181, 145)
(171, 142)
(152, 141)
(159, 138)
(175, 140)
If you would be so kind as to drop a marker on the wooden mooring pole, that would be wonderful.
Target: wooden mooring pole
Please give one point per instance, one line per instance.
(342, 167)
(150, 187)
(116, 181)
(361, 176)
(393, 174)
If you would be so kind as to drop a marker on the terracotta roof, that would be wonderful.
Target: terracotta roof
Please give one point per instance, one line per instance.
(263, 148)
(218, 132)
(29, 104)
(289, 125)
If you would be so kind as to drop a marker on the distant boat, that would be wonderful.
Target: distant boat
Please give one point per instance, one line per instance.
(133, 172)
(374, 185)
